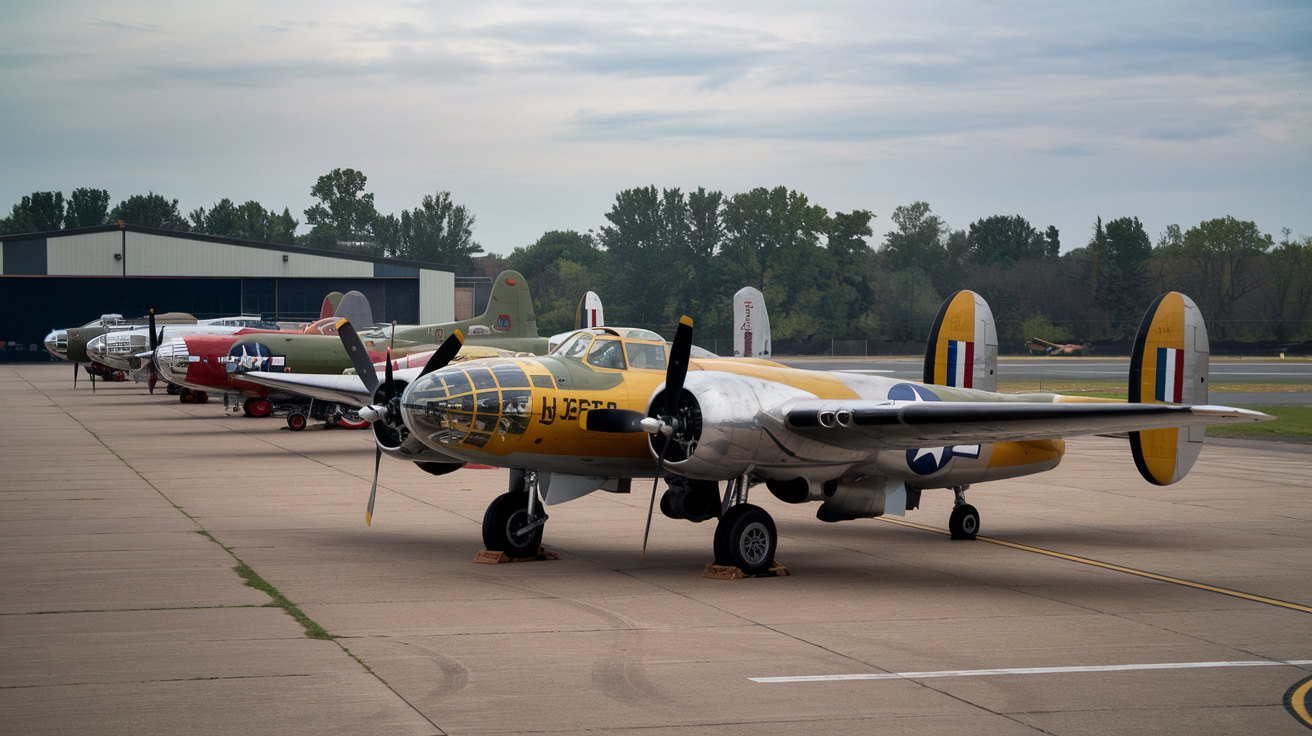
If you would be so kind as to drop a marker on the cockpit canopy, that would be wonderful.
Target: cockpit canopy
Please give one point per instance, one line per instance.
(614, 348)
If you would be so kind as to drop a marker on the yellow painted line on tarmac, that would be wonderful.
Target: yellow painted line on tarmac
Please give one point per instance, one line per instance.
(1118, 568)
(1296, 700)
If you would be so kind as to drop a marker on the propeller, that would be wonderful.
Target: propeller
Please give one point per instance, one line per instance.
(675, 372)
(364, 368)
(77, 367)
(155, 340)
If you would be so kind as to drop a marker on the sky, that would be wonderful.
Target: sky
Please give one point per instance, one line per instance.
(535, 114)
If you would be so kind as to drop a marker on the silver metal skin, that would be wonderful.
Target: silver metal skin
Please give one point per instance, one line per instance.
(743, 432)
(172, 359)
(119, 349)
(57, 344)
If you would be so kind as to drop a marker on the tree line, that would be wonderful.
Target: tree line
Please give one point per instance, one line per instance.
(343, 217)
(665, 252)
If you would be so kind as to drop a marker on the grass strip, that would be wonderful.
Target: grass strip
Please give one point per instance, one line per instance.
(1291, 421)
(253, 579)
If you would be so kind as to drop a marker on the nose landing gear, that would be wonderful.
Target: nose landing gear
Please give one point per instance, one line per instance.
(514, 521)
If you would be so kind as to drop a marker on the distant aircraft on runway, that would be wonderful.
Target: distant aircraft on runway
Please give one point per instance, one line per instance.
(611, 404)
(1052, 348)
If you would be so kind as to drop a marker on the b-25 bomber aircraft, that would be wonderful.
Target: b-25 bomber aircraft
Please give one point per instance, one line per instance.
(612, 404)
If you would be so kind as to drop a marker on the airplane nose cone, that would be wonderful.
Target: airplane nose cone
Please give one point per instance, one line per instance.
(172, 359)
(57, 344)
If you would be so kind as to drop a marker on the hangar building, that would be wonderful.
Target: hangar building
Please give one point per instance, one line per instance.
(67, 278)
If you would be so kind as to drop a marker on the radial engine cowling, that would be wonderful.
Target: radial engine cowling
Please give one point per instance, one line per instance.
(723, 419)
(396, 441)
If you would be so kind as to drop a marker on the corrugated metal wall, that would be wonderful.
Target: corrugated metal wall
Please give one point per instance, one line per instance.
(159, 255)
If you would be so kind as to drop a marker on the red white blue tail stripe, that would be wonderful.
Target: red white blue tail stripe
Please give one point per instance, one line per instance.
(961, 363)
(1170, 375)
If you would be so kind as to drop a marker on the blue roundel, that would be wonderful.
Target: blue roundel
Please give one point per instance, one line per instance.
(911, 392)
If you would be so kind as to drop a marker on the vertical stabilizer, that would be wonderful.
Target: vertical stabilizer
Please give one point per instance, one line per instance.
(355, 307)
(751, 335)
(330, 303)
(1169, 365)
(589, 313)
(509, 310)
(963, 344)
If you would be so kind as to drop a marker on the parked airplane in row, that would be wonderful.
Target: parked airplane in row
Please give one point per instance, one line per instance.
(612, 404)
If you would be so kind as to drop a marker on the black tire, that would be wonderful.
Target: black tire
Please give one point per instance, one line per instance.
(201, 397)
(964, 522)
(507, 512)
(746, 539)
(173, 388)
(186, 396)
(296, 421)
(246, 407)
(667, 505)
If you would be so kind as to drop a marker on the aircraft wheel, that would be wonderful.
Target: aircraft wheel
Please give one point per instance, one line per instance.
(505, 516)
(201, 397)
(246, 407)
(296, 421)
(173, 388)
(667, 505)
(186, 396)
(258, 407)
(746, 539)
(964, 522)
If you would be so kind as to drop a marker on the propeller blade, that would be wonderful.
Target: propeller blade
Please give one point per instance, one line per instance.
(154, 343)
(77, 368)
(369, 512)
(678, 367)
(93, 381)
(660, 470)
(389, 389)
(612, 420)
(444, 354)
(152, 379)
(364, 367)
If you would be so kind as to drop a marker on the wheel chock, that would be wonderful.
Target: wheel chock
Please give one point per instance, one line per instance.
(728, 572)
(493, 557)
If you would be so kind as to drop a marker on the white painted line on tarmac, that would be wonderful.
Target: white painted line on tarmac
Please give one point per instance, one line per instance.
(1034, 671)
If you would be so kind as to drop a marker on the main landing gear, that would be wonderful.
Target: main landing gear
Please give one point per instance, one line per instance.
(964, 522)
(514, 521)
(188, 396)
(745, 537)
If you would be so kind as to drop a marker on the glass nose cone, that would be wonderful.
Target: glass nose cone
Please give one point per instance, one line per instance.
(57, 344)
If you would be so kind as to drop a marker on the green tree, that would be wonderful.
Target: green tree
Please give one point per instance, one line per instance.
(1216, 263)
(87, 208)
(1289, 285)
(249, 221)
(150, 210)
(1124, 291)
(917, 242)
(343, 208)
(48, 210)
(554, 246)
(439, 231)
(763, 222)
(1003, 239)
(20, 219)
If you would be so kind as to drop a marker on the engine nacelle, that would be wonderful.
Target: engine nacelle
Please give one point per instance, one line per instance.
(730, 425)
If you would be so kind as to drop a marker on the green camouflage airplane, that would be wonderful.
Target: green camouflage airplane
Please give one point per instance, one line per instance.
(205, 363)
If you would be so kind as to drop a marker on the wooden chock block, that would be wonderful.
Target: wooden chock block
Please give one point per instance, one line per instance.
(728, 572)
(493, 557)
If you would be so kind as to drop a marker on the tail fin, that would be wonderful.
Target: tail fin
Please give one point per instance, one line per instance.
(1169, 366)
(963, 344)
(751, 336)
(589, 313)
(330, 303)
(355, 307)
(510, 307)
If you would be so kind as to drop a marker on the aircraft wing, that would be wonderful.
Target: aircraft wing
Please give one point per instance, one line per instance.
(326, 386)
(884, 425)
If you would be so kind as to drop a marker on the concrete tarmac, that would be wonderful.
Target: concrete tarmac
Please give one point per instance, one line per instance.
(125, 518)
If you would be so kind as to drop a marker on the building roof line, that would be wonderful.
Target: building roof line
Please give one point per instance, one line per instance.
(347, 255)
